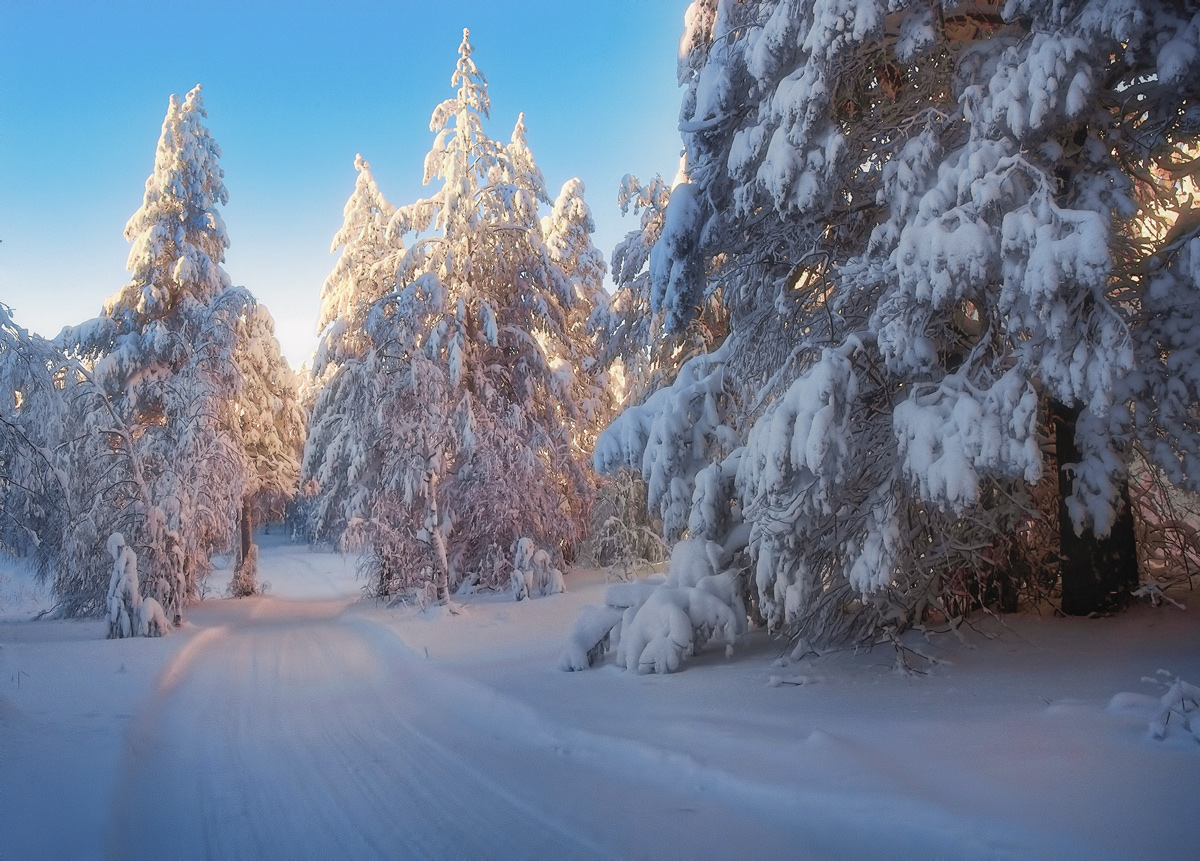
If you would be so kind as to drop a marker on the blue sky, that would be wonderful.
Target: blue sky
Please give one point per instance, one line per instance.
(294, 90)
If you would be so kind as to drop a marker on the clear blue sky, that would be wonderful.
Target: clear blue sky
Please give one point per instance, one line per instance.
(294, 90)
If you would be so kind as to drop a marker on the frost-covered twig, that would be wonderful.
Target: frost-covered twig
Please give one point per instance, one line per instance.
(1154, 590)
(1182, 700)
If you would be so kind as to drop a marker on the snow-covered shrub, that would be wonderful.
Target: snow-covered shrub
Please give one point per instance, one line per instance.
(124, 599)
(674, 622)
(654, 624)
(1179, 703)
(1168, 528)
(532, 572)
(1182, 701)
(129, 614)
(590, 637)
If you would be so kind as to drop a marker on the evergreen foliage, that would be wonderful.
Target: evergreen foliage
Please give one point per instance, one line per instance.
(157, 421)
(451, 437)
(926, 221)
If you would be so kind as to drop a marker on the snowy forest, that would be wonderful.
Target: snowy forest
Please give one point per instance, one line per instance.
(848, 507)
(914, 334)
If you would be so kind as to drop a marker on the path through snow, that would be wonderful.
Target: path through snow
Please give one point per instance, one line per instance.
(307, 731)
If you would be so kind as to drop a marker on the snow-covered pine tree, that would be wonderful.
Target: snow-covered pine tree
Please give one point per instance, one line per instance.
(630, 333)
(27, 465)
(163, 358)
(518, 178)
(568, 233)
(271, 426)
(365, 271)
(929, 221)
(178, 236)
(448, 441)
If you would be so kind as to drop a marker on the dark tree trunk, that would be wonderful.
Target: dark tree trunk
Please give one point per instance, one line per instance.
(247, 530)
(244, 581)
(1098, 574)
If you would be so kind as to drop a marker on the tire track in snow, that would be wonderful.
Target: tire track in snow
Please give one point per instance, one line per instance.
(288, 736)
(306, 732)
(291, 738)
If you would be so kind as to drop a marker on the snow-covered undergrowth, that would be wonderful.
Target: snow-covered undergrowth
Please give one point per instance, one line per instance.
(653, 624)
(1173, 714)
(129, 613)
(21, 595)
(533, 572)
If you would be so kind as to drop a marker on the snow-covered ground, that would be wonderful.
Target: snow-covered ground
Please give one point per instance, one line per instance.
(309, 723)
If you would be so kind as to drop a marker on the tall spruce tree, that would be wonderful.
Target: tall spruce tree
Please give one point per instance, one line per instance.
(450, 440)
(365, 271)
(158, 420)
(567, 231)
(163, 355)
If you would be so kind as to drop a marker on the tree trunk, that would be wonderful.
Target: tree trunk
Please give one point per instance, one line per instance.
(245, 581)
(247, 530)
(1099, 574)
(442, 581)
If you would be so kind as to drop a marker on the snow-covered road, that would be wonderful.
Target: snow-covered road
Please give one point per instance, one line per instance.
(306, 731)
(310, 724)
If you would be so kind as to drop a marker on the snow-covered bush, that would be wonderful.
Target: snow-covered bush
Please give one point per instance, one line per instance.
(654, 624)
(124, 599)
(623, 534)
(245, 581)
(590, 637)
(674, 622)
(1168, 528)
(533, 573)
(129, 614)
(1178, 705)
(1181, 702)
